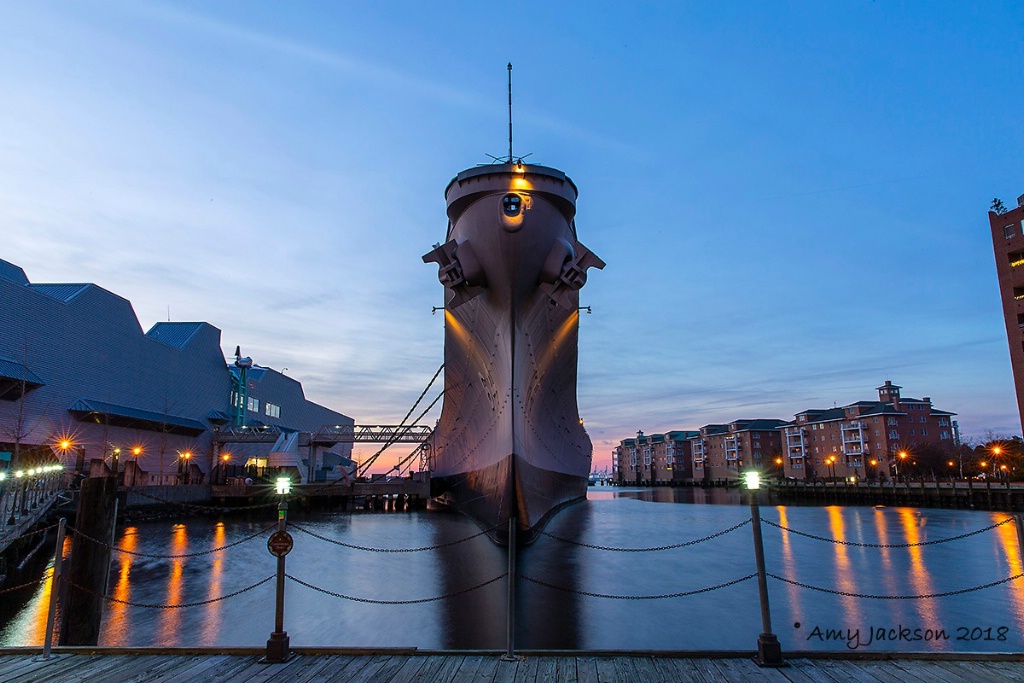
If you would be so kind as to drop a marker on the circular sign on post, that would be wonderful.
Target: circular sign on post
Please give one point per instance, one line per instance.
(280, 543)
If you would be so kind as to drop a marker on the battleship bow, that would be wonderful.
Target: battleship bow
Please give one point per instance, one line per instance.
(510, 442)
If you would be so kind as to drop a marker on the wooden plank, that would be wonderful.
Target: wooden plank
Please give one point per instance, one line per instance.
(141, 668)
(14, 665)
(547, 670)
(586, 670)
(707, 668)
(467, 670)
(991, 673)
(679, 669)
(317, 667)
(505, 672)
(526, 672)
(428, 672)
(95, 665)
(448, 668)
(810, 669)
(376, 670)
(488, 668)
(344, 670)
(845, 670)
(1012, 670)
(744, 670)
(891, 672)
(606, 670)
(565, 670)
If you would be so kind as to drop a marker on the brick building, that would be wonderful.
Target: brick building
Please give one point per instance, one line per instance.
(1008, 245)
(722, 451)
(865, 438)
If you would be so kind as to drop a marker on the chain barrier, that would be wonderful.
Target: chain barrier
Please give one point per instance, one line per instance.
(416, 601)
(889, 545)
(178, 606)
(173, 557)
(45, 577)
(389, 550)
(682, 594)
(646, 550)
(896, 597)
(29, 534)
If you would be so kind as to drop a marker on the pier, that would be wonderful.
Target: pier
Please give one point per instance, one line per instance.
(240, 665)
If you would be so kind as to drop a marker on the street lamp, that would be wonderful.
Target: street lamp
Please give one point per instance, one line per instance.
(183, 463)
(901, 456)
(831, 462)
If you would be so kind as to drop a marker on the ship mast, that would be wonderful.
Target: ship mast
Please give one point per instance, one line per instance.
(510, 112)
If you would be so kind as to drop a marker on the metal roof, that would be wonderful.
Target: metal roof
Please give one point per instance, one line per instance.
(177, 335)
(9, 271)
(61, 292)
(135, 418)
(10, 369)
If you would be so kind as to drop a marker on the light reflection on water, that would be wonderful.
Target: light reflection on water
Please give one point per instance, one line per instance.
(725, 619)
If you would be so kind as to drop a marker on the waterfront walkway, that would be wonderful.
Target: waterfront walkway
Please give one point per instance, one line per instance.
(397, 666)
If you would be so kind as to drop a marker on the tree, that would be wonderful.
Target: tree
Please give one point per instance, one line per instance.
(998, 207)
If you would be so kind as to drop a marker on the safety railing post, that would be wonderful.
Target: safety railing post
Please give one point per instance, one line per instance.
(51, 614)
(509, 655)
(279, 544)
(769, 651)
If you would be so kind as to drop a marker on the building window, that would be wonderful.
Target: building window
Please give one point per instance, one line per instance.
(272, 410)
(924, 432)
(894, 434)
(943, 435)
(1008, 231)
(254, 404)
(1018, 293)
(891, 421)
(912, 432)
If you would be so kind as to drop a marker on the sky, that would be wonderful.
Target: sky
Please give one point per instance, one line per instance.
(791, 197)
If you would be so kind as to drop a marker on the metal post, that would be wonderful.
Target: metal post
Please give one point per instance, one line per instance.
(58, 562)
(1019, 523)
(277, 645)
(509, 655)
(769, 651)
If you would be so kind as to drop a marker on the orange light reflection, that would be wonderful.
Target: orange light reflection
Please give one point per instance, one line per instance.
(118, 614)
(845, 579)
(212, 617)
(170, 619)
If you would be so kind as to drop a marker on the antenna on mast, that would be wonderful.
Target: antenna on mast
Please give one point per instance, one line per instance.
(510, 112)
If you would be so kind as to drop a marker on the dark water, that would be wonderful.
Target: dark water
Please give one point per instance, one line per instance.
(725, 619)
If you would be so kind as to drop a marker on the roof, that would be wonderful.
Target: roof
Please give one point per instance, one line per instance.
(134, 418)
(177, 335)
(16, 380)
(9, 271)
(61, 292)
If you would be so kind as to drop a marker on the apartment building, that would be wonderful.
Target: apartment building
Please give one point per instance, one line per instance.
(1008, 245)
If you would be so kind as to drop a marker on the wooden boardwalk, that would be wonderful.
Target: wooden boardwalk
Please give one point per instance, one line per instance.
(243, 666)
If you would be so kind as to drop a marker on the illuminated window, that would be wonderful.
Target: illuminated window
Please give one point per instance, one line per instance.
(272, 410)
(254, 405)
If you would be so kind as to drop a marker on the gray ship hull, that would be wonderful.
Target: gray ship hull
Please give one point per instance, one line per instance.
(510, 442)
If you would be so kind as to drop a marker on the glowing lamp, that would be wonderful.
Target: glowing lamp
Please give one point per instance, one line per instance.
(137, 451)
(65, 444)
(752, 479)
(284, 486)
